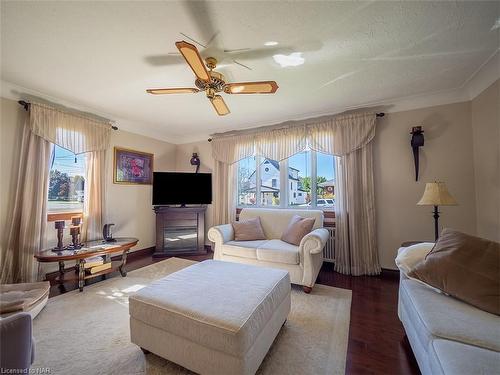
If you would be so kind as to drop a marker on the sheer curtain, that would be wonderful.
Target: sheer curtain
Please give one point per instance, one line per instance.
(93, 205)
(73, 131)
(349, 137)
(227, 151)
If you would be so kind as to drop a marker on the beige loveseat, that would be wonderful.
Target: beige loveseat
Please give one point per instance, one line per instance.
(303, 262)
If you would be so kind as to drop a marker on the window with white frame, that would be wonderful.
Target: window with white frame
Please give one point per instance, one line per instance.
(305, 180)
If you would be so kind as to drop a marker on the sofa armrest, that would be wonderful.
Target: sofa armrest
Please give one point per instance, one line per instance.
(16, 347)
(311, 255)
(221, 234)
(314, 242)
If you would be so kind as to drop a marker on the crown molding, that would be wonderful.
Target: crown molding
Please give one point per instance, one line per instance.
(481, 79)
(12, 91)
(487, 74)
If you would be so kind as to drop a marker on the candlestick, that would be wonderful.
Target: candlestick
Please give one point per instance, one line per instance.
(59, 225)
(75, 234)
(76, 220)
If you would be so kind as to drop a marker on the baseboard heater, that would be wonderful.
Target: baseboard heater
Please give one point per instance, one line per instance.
(329, 249)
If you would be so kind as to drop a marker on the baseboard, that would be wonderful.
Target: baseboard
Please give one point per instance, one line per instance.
(387, 272)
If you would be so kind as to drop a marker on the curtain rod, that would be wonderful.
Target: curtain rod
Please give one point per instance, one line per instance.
(380, 114)
(26, 106)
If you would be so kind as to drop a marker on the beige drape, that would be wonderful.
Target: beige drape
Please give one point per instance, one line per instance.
(72, 131)
(224, 194)
(347, 136)
(355, 233)
(280, 144)
(79, 134)
(93, 205)
(29, 213)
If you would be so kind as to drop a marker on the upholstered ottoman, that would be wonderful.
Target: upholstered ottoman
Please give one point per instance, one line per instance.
(213, 317)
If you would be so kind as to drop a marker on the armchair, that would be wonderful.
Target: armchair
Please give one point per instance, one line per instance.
(16, 343)
(303, 262)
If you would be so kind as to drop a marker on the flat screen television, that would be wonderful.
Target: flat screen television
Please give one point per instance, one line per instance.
(171, 188)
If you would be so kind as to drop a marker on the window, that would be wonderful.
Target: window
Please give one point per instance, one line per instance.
(66, 181)
(306, 179)
(299, 175)
(325, 176)
(247, 191)
(265, 193)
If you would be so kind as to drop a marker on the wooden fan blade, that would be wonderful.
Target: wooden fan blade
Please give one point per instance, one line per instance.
(179, 90)
(194, 60)
(220, 105)
(264, 87)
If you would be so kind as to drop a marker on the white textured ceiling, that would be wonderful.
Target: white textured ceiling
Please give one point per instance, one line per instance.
(103, 55)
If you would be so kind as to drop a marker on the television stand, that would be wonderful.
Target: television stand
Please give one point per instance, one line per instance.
(179, 231)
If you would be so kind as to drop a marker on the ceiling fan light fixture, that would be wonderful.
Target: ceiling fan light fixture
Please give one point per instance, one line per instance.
(293, 59)
(212, 82)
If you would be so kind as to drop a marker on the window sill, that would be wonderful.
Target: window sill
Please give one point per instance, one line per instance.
(56, 216)
(329, 215)
(324, 209)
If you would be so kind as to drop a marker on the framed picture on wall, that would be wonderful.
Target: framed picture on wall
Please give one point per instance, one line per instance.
(132, 167)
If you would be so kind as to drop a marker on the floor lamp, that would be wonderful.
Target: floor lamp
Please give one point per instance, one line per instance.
(436, 194)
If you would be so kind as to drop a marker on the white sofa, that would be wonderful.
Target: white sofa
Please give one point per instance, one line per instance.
(303, 262)
(448, 336)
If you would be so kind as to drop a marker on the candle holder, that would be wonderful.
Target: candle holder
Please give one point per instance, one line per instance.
(75, 238)
(59, 225)
(76, 221)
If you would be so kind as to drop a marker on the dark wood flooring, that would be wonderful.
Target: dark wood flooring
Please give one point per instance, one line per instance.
(376, 336)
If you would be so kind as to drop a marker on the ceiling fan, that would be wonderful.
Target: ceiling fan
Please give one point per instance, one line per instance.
(212, 82)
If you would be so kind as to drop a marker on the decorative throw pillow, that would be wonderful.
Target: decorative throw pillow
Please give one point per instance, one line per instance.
(297, 229)
(408, 257)
(465, 267)
(248, 230)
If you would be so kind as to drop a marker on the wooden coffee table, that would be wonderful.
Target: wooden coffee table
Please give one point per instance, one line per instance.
(91, 249)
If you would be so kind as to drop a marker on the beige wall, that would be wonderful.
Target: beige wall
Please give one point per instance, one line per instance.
(127, 206)
(485, 119)
(183, 157)
(446, 156)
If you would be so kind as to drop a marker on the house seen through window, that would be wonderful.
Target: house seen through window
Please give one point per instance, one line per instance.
(309, 181)
(66, 181)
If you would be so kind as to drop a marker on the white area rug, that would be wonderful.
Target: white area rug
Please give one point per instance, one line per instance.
(88, 333)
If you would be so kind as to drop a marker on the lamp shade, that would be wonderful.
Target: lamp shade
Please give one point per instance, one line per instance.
(436, 194)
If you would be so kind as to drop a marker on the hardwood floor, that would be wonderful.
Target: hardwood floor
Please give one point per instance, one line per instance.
(377, 342)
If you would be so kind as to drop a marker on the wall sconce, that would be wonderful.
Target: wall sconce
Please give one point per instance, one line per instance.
(417, 141)
(195, 160)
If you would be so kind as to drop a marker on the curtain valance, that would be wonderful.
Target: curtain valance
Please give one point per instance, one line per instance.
(73, 132)
(336, 135)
